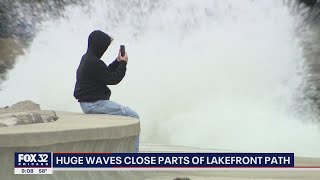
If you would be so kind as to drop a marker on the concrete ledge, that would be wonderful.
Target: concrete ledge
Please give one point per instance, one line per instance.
(73, 132)
(70, 127)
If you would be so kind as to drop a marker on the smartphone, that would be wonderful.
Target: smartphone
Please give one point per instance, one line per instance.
(122, 50)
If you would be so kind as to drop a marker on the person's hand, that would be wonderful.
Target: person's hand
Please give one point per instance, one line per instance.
(122, 58)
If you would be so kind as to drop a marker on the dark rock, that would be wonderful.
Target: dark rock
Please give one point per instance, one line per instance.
(29, 118)
(185, 178)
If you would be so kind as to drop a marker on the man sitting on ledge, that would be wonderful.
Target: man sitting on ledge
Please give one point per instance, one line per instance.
(93, 76)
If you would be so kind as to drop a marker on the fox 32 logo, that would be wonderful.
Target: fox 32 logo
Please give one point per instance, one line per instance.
(32, 159)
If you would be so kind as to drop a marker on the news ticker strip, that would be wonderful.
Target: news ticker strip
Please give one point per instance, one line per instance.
(46, 162)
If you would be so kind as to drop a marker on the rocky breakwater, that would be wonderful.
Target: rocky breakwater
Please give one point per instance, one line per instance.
(25, 112)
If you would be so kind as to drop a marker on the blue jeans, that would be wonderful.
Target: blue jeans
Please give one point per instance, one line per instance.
(109, 107)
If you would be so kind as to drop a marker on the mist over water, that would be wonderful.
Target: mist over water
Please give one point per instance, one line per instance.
(212, 74)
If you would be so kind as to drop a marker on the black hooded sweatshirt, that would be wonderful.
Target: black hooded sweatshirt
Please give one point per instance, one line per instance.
(93, 75)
